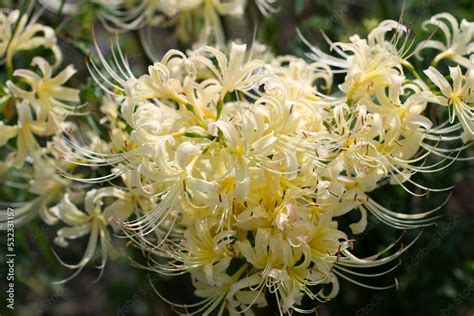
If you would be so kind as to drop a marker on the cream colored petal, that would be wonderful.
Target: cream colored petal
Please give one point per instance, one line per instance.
(184, 152)
(439, 80)
(63, 76)
(69, 213)
(44, 66)
(456, 76)
(74, 232)
(7, 132)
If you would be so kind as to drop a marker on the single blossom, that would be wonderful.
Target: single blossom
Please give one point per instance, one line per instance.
(23, 35)
(47, 95)
(458, 39)
(93, 221)
(459, 95)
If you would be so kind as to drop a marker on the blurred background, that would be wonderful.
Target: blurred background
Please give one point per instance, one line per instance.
(435, 276)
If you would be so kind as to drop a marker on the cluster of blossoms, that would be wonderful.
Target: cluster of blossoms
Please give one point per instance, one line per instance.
(245, 161)
(234, 165)
(34, 111)
(201, 17)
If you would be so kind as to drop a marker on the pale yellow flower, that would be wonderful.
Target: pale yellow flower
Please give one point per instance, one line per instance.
(459, 95)
(29, 35)
(47, 186)
(47, 95)
(7, 20)
(93, 222)
(27, 128)
(458, 39)
(204, 250)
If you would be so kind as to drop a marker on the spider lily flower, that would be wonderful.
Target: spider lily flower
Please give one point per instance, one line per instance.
(172, 177)
(135, 198)
(206, 251)
(459, 95)
(374, 62)
(7, 20)
(27, 35)
(26, 129)
(47, 185)
(290, 273)
(103, 8)
(47, 95)
(459, 39)
(212, 31)
(279, 272)
(367, 54)
(250, 146)
(35, 117)
(303, 76)
(234, 73)
(216, 298)
(93, 222)
(158, 83)
(236, 166)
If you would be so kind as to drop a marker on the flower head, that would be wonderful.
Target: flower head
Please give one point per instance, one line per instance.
(459, 95)
(458, 39)
(19, 34)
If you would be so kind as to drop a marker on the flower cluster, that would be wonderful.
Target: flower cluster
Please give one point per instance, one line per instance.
(189, 16)
(37, 111)
(35, 106)
(231, 164)
(254, 158)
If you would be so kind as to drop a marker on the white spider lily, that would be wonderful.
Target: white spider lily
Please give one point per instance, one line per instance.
(93, 222)
(234, 165)
(212, 25)
(47, 185)
(234, 73)
(172, 177)
(29, 35)
(459, 95)
(7, 20)
(27, 128)
(47, 95)
(119, 15)
(250, 145)
(158, 84)
(458, 37)
(204, 250)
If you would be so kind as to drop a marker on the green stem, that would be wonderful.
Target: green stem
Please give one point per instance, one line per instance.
(9, 65)
(60, 11)
(412, 70)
